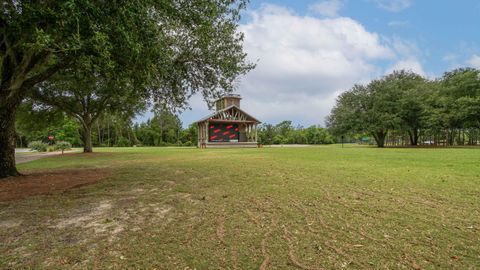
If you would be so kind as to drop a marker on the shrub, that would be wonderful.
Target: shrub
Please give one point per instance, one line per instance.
(162, 143)
(62, 145)
(122, 142)
(279, 139)
(38, 146)
(188, 143)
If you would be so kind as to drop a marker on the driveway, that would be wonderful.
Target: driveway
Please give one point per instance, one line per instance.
(25, 155)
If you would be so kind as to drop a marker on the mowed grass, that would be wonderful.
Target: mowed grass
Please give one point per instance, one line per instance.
(272, 208)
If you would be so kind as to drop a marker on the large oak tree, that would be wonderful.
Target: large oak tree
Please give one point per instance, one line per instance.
(411, 91)
(368, 109)
(87, 92)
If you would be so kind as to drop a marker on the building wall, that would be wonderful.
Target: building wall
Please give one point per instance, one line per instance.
(240, 131)
(232, 101)
(227, 101)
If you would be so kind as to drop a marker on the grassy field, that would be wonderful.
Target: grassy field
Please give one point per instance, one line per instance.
(272, 208)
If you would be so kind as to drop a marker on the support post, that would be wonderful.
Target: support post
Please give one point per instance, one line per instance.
(206, 132)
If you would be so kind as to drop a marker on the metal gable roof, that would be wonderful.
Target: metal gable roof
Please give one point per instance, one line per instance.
(226, 109)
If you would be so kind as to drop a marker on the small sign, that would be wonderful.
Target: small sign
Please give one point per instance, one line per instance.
(51, 137)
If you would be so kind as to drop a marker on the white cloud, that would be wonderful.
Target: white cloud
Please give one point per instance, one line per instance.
(452, 60)
(394, 5)
(304, 62)
(408, 57)
(326, 8)
(405, 48)
(409, 64)
(450, 57)
(474, 61)
(398, 23)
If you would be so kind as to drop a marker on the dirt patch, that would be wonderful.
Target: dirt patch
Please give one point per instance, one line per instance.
(10, 223)
(221, 228)
(48, 182)
(266, 256)
(96, 213)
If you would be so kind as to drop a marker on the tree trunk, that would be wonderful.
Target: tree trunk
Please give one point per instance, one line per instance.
(413, 134)
(21, 141)
(108, 130)
(87, 138)
(451, 137)
(380, 138)
(7, 142)
(99, 137)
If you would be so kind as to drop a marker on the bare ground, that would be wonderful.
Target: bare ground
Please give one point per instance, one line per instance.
(48, 182)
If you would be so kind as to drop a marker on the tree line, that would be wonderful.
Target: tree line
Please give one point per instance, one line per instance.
(164, 128)
(110, 130)
(285, 133)
(404, 108)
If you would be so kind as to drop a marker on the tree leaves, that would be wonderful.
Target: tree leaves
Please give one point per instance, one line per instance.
(406, 102)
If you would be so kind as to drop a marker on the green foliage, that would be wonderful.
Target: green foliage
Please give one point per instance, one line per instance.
(36, 122)
(114, 129)
(285, 133)
(122, 142)
(315, 135)
(407, 107)
(164, 129)
(63, 145)
(188, 143)
(38, 146)
(68, 131)
(189, 134)
(279, 139)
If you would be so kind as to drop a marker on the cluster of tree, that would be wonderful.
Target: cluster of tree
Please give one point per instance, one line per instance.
(89, 58)
(286, 133)
(36, 122)
(39, 123)
(404, 108)
(165, 129)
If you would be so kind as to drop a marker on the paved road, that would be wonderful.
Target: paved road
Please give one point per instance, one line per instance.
(290, 145)
(25, 155)
(22, 157)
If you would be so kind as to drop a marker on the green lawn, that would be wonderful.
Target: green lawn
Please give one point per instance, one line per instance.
(272, 208)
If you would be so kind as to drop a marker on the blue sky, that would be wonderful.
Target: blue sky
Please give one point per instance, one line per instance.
(308, 52)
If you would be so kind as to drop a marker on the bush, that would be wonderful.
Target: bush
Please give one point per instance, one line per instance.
(188, 143)
(122, 142)
(62, 145)
(279, 139)
(38, 146)
(162, 143)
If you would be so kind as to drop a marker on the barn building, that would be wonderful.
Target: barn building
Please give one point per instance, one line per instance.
(228, 126)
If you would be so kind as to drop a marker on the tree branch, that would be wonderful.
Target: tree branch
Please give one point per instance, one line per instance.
(29, 83)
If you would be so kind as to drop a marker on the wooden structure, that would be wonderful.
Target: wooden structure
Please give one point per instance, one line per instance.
(228, 126)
